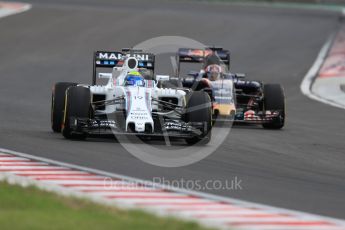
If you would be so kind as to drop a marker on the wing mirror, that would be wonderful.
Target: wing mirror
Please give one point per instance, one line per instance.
(193, 74)
(104, 75)
(240, 75)
(162, 78)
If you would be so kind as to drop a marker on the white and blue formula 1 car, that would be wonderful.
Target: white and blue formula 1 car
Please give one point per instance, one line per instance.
(130, 103)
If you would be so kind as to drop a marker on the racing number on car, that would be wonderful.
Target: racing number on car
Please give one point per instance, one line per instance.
(138, 97)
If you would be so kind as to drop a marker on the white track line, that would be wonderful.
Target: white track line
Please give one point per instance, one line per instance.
(309, 78)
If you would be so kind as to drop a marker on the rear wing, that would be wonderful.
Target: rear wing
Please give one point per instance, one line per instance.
(191, 55)
(110, 59)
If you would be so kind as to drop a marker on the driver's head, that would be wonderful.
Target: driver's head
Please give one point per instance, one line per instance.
(134, 78)
(213, 72)
(212, 59)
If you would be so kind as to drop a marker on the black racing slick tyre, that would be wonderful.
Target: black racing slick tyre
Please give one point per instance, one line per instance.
(274, 100)
(78, 105)
(199, 109)
(58, 104)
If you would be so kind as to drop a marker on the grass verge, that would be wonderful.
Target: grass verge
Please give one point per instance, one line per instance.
(31, 208)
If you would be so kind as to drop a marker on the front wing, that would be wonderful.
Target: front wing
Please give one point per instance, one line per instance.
(171, 128)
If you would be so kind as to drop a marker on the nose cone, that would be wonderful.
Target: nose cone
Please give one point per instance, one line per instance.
(138, 108)
(139, 127)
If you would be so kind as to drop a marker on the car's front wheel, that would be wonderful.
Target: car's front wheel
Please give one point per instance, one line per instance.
(199, 109)
(274, 100)
(78, 105)
(58, 104)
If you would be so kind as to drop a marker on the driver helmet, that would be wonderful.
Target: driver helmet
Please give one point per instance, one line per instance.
(212, 59)
(134, 78)
(213, 72)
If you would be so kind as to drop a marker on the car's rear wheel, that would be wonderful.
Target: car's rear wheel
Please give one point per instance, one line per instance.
(199, 109)
(274, 101)
(58, 104)
(78, 105)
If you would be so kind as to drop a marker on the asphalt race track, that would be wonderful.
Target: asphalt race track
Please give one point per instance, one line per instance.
(300, 167)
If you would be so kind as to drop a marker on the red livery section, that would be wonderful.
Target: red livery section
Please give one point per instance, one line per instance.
(334, 64)
(13, 7)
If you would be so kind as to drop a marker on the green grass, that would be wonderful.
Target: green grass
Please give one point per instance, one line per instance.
(31, 208)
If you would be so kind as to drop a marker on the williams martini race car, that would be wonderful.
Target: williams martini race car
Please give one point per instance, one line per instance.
(129, 103)
(233, 98)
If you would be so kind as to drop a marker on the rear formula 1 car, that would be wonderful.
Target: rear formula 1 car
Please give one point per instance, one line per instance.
(233, 98)
(129, 103)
